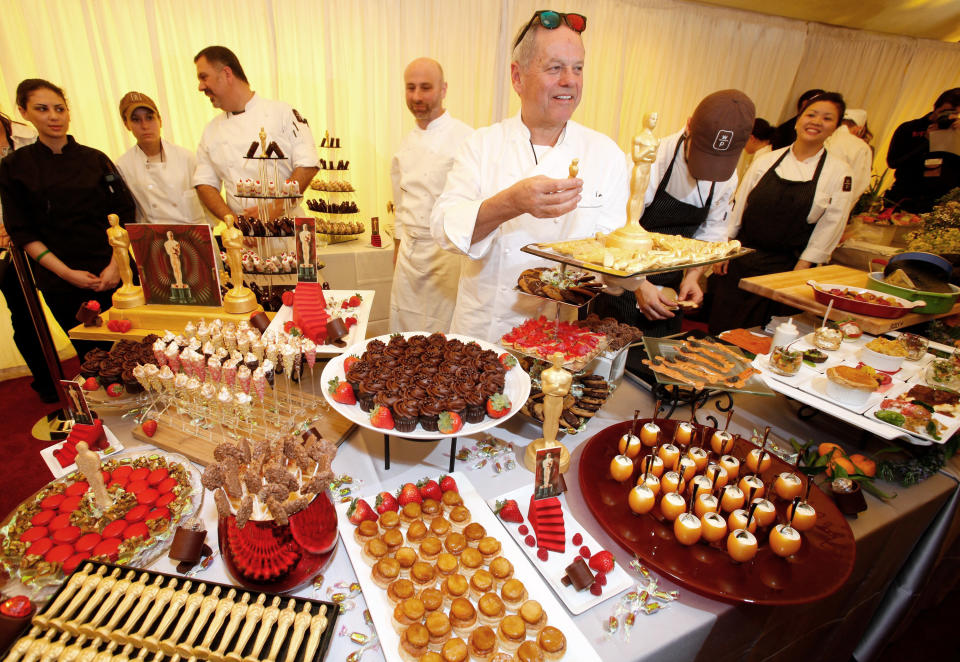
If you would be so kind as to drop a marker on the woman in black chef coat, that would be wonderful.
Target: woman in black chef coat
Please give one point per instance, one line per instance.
(791, 209)
(56, 196)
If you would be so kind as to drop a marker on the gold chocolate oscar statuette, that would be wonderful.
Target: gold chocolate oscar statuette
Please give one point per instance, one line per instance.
(555, 384)
(239, 299)
(632, 236)
(127, 295)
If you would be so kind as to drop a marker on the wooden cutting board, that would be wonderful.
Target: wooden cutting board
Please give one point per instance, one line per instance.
(790, 287)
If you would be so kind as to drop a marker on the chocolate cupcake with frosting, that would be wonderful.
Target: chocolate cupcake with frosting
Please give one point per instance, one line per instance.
(476, 409)
(406, 415)
(366, 391)
(430, 413)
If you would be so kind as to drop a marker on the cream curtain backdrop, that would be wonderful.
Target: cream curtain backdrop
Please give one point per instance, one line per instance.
(340, 63)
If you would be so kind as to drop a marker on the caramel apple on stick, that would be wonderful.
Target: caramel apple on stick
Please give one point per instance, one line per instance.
(254, 612)
(223, 608)
(318, 624)
(284, 621)
(148, 596)
(270, 615)
(190, 607)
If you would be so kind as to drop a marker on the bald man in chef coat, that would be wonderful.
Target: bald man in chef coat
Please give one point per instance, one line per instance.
(425, 278)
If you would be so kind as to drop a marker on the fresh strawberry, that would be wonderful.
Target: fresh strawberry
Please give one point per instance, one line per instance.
(596, 588)
(602, 561)
(112, 325)
(508, 360)
(350, 321)
(449, 422)
(124, 325)
(577, 539)
(602, 578)
(359, 511)
(585, 552)
(353, 301)
(530, 541)
(409, 493)
(292, 329)
(115, 390)
(448, 484)
(348, 362)
(543, 554)
(523, 530)
(380, 416)
(509, 511)
(287, 298)
(149, 427)
(342, 392)
(498, 405)
(91, 384)
(385, 502)
(430, 489)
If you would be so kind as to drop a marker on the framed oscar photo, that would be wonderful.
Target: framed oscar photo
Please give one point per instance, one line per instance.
(177, 263)
(305, 233)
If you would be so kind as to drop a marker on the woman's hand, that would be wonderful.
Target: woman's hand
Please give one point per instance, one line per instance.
(720, 268)
(82, 279)
(651, 304)
(109, 277)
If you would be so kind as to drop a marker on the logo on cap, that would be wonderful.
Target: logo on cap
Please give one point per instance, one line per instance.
(723, 140)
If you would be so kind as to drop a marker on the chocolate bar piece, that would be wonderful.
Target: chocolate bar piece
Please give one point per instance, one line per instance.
(253, 149)
(578, 575)
(273, 149)
(260, 321)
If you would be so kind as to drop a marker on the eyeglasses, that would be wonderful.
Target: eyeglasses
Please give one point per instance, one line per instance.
(551, 20)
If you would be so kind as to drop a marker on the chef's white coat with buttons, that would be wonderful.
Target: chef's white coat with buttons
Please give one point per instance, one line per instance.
(425, 278)
(163, 191)
(491, 160)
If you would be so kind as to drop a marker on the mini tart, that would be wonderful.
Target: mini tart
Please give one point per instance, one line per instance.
(385, 572)
(416, 532)
(511, 633)
(552, 642)
(481, 582)
(368, 530)
(407, 613)
(393, 539)
(473, 532)
(463, 616)
(431, 509)
(491, 608)
(451, 499)
(432, 599)
(533, 615)
(423, 574)
(453, 587)
(514, 593)
(388, 520)
(434, 656)
(413, 642)
(430, 548)
(440, 527)
(470, 561)
(489, 547)
(406, 557)
(501, 569)
(528, 652)
(455, 543)
(410, 513)
(459, 517)
(482, 643)
(438, 625)
(447, 564)
(400, 590)
(455, 650)
(373, 551)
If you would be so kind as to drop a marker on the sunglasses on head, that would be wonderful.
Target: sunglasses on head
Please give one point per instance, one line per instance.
(551, 20)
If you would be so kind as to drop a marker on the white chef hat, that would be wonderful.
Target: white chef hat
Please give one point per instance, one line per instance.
(856, 115)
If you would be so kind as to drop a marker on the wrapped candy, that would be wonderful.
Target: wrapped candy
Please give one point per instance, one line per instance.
(190, 330)
(213, 369)
(173, 357)
(269, 371)
(243, 378)
(310, 351)
(259, 382)
(159, 347)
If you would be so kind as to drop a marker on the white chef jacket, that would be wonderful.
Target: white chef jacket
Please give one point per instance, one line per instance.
(226, 139)
(858, 155)
(425, 279)
(684, 188)
(491, 160)
(831, 202)
(163, 191)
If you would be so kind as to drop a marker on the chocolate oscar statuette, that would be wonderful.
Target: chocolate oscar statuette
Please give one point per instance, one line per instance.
(105, 586)
(76, 652)
(106, 655)
(224, 606)
(86, 627)
(555, 384)
(284, 621)
(254, 612)
(239, 299)
(300, 624)
(123, 636)
(53, 650)
(177, 601)
(318, 625)
(270, 615)
(137, 590)
(237, 613)
(157, 598)
(37, 646)
(88, 463)
(574, 168)
(76, 580)
(22, 645)
(81, 597)
(190, 607)
(127, 295)
(207, 607)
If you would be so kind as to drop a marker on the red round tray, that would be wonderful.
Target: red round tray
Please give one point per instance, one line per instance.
(822, 295)
(822, 565)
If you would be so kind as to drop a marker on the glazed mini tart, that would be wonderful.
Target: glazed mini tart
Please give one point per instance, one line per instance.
(463, 616)
(514, 593)
(385, 572)
(438, 626)
(406, 557)
(489, 547)
(511, 633)
(552, 642)
(453, 587)
(423, 575)
(416, 532)
(482, 644)
(368, 530)
(455, 650)
(373, 551)
(430, 548)
(447, 564)
(432, 599)
(431, 509)
(459, 517)
(527, 652)
(455, 543)
(491, 609)
(451, 499)
(389, 520)
(400, 590)
(440, 527)
(393, 539)
(434, 656)
(501, 569)
(407, 613)
(473, 532)
(410, 513)
(413, 642)
(481, 582)
(471, 560)
(533, 615)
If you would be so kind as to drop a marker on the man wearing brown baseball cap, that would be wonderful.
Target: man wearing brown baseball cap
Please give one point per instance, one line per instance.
(157, 172)
(692, 182)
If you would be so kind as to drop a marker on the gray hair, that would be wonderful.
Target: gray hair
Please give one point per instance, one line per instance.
(524, 51)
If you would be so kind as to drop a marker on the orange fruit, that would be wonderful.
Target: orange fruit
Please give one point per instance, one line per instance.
(842, 461)
(866, 466)
(826, 448)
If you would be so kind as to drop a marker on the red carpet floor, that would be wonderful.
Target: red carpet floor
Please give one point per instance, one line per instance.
(22, 470)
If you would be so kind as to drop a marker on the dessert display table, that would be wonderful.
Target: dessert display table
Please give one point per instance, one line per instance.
(155, 319)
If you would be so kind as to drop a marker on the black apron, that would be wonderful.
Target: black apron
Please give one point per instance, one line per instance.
(665, 215)
(775, 225)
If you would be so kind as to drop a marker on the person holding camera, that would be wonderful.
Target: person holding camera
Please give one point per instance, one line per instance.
(925, 154)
